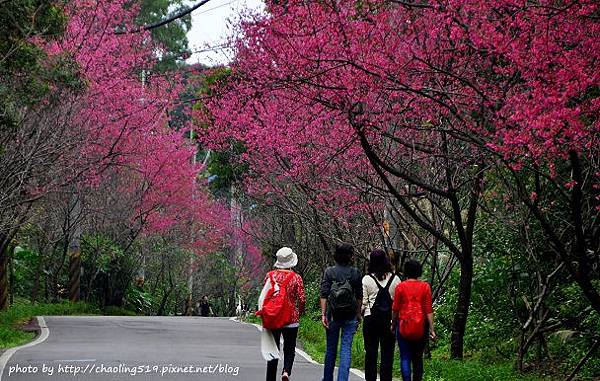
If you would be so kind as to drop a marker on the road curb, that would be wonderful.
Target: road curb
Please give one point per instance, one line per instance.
(41, 337)
(304, 355)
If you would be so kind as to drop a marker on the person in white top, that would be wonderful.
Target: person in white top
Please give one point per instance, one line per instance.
(378, 293)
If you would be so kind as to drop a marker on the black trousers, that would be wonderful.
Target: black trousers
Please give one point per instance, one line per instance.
(289, 351)
(377, 334)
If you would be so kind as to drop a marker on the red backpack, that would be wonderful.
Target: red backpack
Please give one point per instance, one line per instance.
(277, 311)
(412, 320)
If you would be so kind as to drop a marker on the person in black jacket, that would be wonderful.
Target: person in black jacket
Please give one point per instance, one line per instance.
(205, 307)
(337, 280)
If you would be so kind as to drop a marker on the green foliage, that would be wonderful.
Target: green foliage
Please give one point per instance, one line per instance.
(118, 311)
(209, 81)
(27, 74)
(100, 251)
(138, 300)
(27, 18)
(173, 36)
(24, 264)
(107, 270)
(581, 325)
(313, 296)
(226, 167)
(214, 269)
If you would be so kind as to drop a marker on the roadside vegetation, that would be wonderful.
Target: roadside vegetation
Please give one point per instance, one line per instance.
(21, 312)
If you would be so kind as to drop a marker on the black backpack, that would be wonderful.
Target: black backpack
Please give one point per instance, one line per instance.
(382, 308)
(342, 301)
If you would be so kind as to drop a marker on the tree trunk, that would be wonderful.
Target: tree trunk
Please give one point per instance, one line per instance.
(3, 274)
(37, 279)
(165, 298)
(74, 275)
(11, 282)
(579, 249)
(462, 307)
(163, 303)
(56, 271)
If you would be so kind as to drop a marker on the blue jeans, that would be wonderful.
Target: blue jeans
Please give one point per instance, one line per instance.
(348, 329)
(411, 352)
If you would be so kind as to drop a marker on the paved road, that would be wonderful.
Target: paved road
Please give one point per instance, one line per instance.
(157, 348)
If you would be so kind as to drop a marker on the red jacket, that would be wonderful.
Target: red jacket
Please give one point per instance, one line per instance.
(412, 288)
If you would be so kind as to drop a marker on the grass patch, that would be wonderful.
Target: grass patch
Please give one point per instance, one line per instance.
(251, 318)
(22, 311)
(438, 368)
(118, 311)
(312, 337)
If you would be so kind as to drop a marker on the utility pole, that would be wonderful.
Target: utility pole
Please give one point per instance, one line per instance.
(189, 308)
(237, 219)
(75, 250)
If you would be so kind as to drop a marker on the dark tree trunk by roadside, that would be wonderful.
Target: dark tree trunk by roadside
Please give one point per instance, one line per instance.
(462, 308)
(37, 278)
(11, 282)
(3, 274)
(74, 276)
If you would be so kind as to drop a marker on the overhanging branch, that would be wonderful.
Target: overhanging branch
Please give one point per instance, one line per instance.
(176, 16)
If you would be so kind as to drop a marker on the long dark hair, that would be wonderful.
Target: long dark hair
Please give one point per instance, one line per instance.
(379, 264)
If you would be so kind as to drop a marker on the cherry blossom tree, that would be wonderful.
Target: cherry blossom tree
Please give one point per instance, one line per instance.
(421, 99)
(113, 135)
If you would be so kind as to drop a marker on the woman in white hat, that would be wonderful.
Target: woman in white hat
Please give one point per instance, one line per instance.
(283, 294)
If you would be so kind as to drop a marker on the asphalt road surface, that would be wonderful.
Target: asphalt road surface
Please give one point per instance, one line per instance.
(100, 348)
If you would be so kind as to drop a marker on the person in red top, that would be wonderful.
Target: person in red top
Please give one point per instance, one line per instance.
(408, 294)
(286, 260)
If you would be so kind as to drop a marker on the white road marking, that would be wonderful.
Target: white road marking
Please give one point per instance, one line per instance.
(45, 332)
(305, 355)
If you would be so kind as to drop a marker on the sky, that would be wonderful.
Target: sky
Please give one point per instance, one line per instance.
(211, 24)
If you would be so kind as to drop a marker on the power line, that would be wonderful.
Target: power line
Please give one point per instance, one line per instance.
(218, 6)
(176, 16)
(211, 49)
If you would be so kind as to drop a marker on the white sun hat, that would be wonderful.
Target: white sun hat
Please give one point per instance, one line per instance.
(286, 258)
